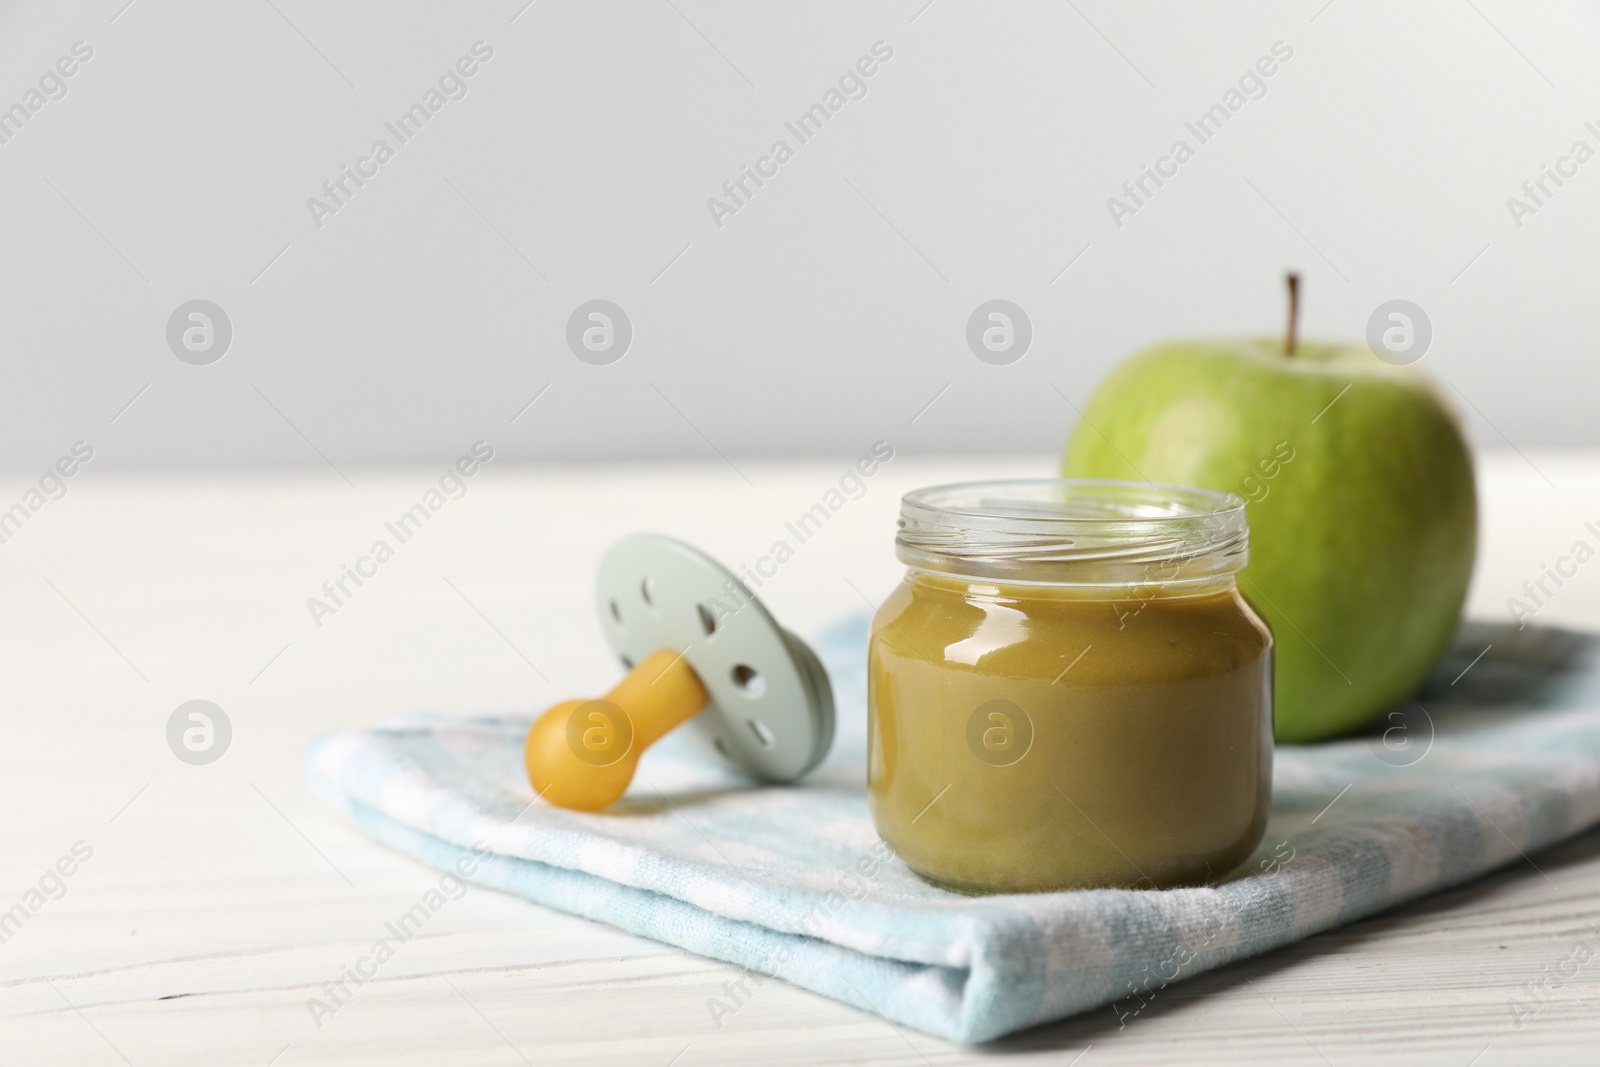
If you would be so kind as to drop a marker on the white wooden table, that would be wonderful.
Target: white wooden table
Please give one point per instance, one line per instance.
(219, 898)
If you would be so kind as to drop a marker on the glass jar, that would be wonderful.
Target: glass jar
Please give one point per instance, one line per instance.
(1068, 690)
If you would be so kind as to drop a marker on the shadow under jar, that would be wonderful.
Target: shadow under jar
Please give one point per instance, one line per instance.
(1068, 690)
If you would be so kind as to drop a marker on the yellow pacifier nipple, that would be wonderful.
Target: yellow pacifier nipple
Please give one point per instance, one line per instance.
(581, 754)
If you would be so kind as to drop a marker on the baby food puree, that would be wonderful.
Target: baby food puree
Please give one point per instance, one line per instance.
(1068, 689)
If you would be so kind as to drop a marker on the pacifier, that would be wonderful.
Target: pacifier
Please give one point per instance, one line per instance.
(699, 649)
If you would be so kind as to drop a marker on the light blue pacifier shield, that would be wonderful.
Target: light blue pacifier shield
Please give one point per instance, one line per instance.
(771, 709)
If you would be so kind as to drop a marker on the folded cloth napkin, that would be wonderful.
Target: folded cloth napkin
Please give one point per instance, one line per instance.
(1499, 758)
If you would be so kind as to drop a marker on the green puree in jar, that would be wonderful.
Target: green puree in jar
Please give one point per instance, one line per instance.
(1068, 689)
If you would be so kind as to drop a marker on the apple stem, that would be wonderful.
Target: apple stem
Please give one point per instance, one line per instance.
(1294, 313)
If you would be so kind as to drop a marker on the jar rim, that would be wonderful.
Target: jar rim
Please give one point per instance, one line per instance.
(1074, 531)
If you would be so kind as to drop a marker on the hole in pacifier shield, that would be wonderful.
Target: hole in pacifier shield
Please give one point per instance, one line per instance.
(599, 733)
(198, 732)
(1404, 736)
(999, 733)
(199, 332)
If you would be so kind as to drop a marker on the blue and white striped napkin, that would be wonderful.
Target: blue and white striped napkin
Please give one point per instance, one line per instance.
(794, 883)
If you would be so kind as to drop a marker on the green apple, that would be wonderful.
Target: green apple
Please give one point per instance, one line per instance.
(1362, 509)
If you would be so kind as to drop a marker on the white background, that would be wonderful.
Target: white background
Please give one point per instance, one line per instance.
(831, 309)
